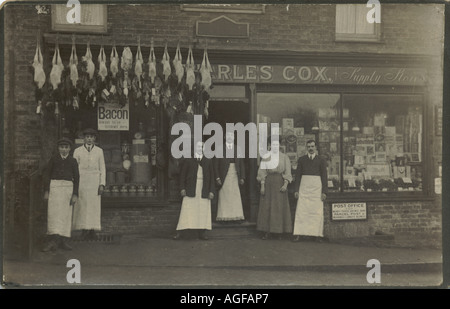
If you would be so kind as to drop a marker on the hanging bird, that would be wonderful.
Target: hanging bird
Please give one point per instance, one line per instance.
(57, 68)
(114, 66)
(205, 71)
(166, 64)
(103, 70)
(178, 65)
(90, 64)
(152, 64)
(138, 65)
(190, 75)
(73, 65)
(39, 74)
(127, 59)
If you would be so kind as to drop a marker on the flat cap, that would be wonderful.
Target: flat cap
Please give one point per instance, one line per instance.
(63, 141)
(90, 131)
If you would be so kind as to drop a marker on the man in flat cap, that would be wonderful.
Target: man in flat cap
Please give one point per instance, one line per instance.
(61, 190)
(91, 162)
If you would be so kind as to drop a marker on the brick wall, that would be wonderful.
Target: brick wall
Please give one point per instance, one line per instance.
(411, 223)
(136, 220)
(406, 29)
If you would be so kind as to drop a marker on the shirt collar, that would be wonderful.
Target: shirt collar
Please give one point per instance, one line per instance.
(229, 145)
(312, 156)
(197, 156)
(89, 148)
(63, 157)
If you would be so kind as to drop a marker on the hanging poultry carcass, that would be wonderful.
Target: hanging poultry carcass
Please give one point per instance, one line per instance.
(114, 66)
(167, 70)
(205, 71)
(127, 59)
(90, 64)
(73, 65)
(57, 68)
(38, 64)
(152, 64)
(190, 75)
(102, 69)
(138, 65)
(178, 64)
(39, 76)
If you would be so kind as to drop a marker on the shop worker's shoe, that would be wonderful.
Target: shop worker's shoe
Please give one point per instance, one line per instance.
(296, 238)
(51, 244)
(84, 235)
(177, 236)
(202, 235)
(265, 236)
(64, 245)
(92, 235)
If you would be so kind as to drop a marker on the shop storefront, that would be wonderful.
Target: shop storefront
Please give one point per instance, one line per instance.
(372, 115)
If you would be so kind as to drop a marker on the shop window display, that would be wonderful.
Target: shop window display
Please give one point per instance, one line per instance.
(303, 117)
(383, 143)
(372, 142)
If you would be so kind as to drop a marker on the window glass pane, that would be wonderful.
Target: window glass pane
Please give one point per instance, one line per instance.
(362, 25)
(382, 137)
(345, 18)
(304, 116)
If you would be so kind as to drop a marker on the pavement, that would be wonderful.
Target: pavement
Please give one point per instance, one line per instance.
(227, 260)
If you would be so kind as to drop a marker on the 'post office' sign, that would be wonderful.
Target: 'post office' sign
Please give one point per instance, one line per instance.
(348, 211)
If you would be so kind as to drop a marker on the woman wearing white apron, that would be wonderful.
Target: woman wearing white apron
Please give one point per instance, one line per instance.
(197, 189)
(230, 174)
(310, 189)
(61, 190)
(91, 162)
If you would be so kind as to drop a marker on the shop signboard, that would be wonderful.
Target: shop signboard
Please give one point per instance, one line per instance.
(307, 74)
(113, 117)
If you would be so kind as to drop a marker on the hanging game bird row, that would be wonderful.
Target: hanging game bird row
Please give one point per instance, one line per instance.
(83, 85)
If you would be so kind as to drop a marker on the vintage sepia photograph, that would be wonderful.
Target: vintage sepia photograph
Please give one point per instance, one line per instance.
(213, 145)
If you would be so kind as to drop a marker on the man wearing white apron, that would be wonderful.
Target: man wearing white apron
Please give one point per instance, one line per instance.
(91, 163)
(310, 189)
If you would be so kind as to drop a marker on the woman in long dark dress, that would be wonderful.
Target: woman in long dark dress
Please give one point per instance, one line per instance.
(274, 215)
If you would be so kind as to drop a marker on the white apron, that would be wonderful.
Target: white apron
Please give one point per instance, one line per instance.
(229, 206)
(59, 215)
(309, 212)
(87, 211)
(195, 211)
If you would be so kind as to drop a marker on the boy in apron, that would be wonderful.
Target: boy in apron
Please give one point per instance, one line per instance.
(61, 191)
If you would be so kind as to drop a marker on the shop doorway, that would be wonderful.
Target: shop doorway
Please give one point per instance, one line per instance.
(223, 112)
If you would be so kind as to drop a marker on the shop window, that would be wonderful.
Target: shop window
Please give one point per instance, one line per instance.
(305, 116)
(352, 24)
(382, 137)
(372, 142)
(131, 155)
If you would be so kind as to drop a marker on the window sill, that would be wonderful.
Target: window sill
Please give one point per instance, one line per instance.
(343, 38)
